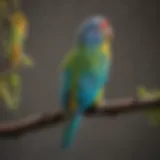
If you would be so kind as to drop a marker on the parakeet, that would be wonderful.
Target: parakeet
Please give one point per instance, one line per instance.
(14, 44)
(85, 71)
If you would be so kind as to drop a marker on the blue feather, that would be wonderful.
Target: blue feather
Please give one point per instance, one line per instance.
(82, 77)
(65, 88)
(70, 131)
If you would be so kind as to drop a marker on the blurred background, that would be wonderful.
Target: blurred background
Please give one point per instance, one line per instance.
(136, 62)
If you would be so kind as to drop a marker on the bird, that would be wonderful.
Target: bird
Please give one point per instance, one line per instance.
(85, 70)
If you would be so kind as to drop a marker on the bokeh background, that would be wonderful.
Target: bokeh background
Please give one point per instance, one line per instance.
(136, 62)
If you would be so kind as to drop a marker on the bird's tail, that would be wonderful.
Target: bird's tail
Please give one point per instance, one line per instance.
(70, 130)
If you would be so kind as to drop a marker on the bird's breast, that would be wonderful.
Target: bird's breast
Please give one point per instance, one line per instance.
(105, 48)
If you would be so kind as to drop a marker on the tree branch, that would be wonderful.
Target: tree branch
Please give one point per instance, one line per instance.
(18, 128)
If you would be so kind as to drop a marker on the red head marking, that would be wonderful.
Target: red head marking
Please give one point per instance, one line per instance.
(104, 24)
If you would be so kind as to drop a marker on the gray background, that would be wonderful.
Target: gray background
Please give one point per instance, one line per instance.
(136, 62)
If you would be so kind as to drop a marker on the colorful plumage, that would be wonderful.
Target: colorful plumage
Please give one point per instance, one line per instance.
(85, 71)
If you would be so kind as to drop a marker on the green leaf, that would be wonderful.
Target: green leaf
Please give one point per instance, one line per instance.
(27, 61)
(14, 80)
(152, 114)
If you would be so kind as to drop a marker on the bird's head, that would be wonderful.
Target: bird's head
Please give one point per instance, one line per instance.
(95, 30)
